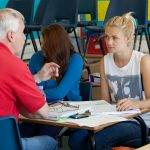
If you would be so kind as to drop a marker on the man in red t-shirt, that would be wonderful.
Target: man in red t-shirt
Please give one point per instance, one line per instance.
(18, 91)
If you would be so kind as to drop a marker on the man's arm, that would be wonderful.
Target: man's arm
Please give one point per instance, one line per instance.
(41, 113)
(47, 71)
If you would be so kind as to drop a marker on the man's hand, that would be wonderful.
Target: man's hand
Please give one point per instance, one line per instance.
(126, 104)
(47, 71)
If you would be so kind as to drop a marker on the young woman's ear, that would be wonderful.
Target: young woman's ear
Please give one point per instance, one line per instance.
(130, 40)
(10, 36)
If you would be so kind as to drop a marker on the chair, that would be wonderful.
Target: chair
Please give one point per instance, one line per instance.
(64, 12)
(56, 11)
(86, 91)
(88, 7)
(86, 94)
(38, 18)
(9, 134)
(26, 7)
(144, 128)
(144, 135)
(23, 6)
(117, 7)
(148, 28)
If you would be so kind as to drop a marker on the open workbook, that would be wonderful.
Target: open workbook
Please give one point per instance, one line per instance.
(65, 109)
(99, 107)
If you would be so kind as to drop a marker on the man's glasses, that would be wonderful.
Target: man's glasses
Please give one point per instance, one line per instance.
(62, 107)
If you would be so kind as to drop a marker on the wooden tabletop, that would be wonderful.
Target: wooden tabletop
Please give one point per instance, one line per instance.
(65, 124)
(146, 147)
(62, 123)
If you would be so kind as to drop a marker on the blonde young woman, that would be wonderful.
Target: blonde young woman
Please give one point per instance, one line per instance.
(123, 71)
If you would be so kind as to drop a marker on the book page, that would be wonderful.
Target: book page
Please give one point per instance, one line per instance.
(103, 107)
(96, 120)
(65, 109)
(99, 107)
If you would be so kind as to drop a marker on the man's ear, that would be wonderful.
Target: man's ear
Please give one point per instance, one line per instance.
(10, 36)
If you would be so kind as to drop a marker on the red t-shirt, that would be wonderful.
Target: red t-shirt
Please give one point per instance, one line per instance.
(18, 89)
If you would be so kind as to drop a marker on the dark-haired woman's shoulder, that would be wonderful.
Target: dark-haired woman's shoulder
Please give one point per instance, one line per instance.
(36, 62)
(38, 54)
(76, 58)
(77, 55)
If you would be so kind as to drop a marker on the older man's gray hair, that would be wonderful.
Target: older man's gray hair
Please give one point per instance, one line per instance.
(9, 21)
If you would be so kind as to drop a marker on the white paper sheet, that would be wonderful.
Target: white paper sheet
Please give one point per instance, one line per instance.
(59, 111)
(122, 113)
(99, 107)
(97, 120)
(103, 107)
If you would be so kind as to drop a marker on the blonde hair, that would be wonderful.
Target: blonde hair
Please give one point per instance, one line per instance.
(9, 20)
(126, 22)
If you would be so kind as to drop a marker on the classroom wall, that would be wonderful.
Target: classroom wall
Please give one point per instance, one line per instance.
(102, 8)
(4, 2)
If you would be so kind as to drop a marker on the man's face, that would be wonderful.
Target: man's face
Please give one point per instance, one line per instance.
(18, 38)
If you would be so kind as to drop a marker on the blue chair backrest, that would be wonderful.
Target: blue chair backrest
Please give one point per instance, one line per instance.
(88, 7)
(52, 11)
(86, 91)
(9, 134)
(26, 7)
(40, 12)
(119, 7)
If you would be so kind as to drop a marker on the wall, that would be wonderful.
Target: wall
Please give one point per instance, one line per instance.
(102, 8)
(4, 2)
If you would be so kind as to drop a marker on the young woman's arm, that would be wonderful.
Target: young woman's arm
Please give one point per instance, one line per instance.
(72, 76)
(143, 104)
(104, 91)
(145, 71)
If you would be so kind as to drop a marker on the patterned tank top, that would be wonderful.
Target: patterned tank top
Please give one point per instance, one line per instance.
(124, 82)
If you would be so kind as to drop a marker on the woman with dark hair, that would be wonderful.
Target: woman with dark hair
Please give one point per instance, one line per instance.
(57, 47)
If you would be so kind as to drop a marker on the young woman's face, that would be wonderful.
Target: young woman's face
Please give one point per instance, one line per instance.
(115, 39)
(42, 42)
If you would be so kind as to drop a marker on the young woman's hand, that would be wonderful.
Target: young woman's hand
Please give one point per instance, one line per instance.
(127, 104)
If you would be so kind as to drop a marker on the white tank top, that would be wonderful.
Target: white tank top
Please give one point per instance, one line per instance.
(124, 82)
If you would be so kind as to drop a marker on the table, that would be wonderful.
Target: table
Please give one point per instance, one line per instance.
(91, 130)
(145, 147)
